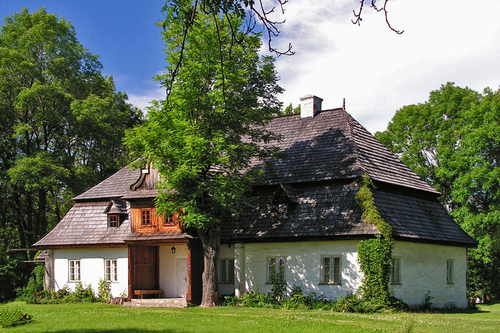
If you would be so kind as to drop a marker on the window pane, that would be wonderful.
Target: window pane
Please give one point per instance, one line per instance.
(271, 269)
(395, 271)
(282, 270)
(326, 270)
(336, 270)
(223, 272)
(449, 271)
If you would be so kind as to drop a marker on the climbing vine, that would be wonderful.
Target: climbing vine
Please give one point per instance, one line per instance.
(375, 254)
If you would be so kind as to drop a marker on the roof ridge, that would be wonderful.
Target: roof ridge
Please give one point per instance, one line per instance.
(349, 119)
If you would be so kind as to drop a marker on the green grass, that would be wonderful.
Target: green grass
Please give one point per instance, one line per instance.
(95, 317)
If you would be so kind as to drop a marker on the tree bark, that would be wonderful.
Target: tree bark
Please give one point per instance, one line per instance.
(210, 240)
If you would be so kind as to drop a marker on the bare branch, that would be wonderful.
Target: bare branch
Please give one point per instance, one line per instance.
(373, 4)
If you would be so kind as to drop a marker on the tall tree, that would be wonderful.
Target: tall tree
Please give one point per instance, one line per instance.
(61, 124)
(451, 142)
(203, 137)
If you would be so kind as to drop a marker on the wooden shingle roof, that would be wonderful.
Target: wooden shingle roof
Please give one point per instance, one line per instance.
(333, 146)
(85, 224)
(330, 211)
(324, 157)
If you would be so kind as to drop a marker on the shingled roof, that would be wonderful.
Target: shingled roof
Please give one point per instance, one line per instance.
(324, 156)
(328, 210)
(331, 146)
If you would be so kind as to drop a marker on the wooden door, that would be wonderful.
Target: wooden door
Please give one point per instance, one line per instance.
(143, 268)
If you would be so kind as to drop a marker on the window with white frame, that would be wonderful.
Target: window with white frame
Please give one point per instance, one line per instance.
(226, 274)
(74, 271)
(396, 270)
(449, 271)
(275, 270)
(330, 269)
(111, 270)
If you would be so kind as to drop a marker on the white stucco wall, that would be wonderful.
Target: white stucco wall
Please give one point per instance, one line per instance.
(168, 279)
(423, 269)
(303, 262)
(92, 267)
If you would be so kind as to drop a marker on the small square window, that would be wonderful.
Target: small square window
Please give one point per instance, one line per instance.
(396, 271)
(330, 270)
(74, 270)
(169, 220)
(449, 271)
(282, 209)
(276, 270)
(113, 221)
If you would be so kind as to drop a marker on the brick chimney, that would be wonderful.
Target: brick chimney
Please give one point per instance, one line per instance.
(310, 106)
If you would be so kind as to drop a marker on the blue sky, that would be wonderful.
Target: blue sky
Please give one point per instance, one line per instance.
(375, 70)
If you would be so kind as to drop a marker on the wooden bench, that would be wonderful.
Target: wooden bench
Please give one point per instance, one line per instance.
(143, 292)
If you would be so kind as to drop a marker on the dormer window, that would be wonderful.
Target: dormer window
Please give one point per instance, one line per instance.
(116, 212)
(113, 220)
(282, 210)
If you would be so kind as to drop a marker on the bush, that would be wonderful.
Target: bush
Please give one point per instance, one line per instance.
(13, 317)
(84, 293)
(33, 292)
(104, 290)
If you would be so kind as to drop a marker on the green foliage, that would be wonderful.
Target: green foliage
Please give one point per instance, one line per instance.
(427, 304)
(451, 141)
(84, 293)
(104, 290)
(33, 292)
(61, 129)
(278, 289)
(374, 255)
(13, 316)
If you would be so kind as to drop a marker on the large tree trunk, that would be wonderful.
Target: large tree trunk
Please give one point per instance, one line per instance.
(210, 240)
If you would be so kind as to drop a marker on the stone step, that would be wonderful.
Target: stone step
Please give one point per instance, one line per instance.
(158, 302)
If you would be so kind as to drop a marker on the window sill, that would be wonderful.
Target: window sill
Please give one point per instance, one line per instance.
(231, 283)
(396, 284)
(450, 282)
(270, 283)
(330, 283)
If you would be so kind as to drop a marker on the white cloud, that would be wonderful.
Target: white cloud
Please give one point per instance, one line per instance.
(376, 70)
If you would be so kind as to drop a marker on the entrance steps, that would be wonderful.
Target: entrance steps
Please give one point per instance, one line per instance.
(158, 302)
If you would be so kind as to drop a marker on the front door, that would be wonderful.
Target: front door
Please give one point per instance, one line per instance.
(182, 283)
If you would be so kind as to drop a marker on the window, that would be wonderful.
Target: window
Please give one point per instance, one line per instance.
(113, 221)
(74, 270)
(449, 271)
(395, 271)
(110, 270)
(169, 220)
(330, 270)
(282, 210)
(145, 217)
(226, 271)
(276, 270)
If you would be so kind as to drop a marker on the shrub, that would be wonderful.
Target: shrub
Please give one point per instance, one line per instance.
(84, 293)
(13, 317)
(277, 291)
(104, 290)
(33, 292)
(427, 304)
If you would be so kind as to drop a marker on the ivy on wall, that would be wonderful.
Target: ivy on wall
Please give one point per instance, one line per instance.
(375, 254)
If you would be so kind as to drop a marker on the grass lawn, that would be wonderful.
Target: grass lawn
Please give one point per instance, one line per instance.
(95, 317)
